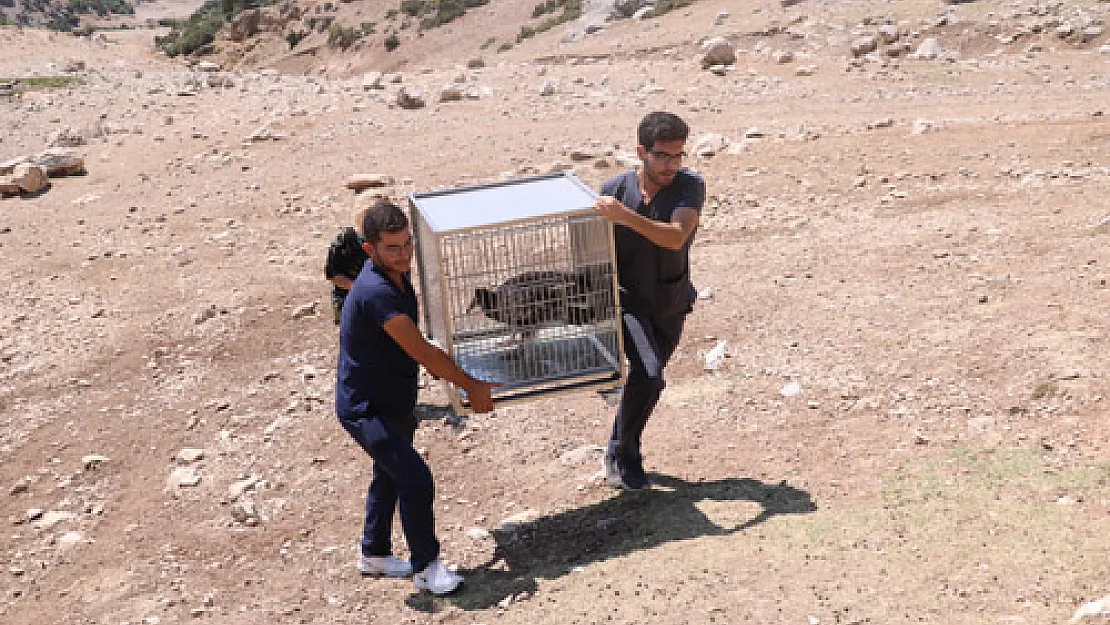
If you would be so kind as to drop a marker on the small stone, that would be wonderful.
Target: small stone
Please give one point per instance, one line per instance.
(71, 539)
(92, 461)
(716, 356)
(514, 521)
(477, 533)
(305, 310)
(183, 477)
(358, 182)
(189, 455)
(791, 389)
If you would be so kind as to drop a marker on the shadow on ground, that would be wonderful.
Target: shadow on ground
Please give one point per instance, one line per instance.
(552, 546)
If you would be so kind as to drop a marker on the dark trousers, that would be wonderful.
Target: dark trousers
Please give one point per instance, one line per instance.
(648, 343)
(400, 477)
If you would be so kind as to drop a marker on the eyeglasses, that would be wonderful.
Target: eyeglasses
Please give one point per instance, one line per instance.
(399, 249)
(667, 157)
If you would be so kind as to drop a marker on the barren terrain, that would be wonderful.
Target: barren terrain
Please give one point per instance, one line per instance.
(908, 259)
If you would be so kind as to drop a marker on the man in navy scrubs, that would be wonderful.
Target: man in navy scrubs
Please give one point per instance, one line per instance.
(380, 350)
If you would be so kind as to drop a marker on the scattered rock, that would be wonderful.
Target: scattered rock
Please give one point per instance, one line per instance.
(245, 512)
(93, 461)
(237, 489)
(717, 51)
(515, 521)
(716, 356)
(791, 389)
(71, 539)
(922, 126)
(25, 178)
(582, 455)
(66, 138)
(709, 144)
(60, 162)
(183, 477)
(929, 49)
(264, 133)
(477, 533)
(305, 310)
(410, 98)
(450, 93)
(1093, 612)
(864, 45)
(47, 520)
(189, 455)
(244, 25)
(359, 182)
(372, 80)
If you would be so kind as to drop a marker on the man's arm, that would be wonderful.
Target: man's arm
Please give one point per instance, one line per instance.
(671, 235)
(404, 331)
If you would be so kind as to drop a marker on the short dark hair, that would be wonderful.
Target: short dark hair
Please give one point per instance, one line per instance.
(383, 216)
(661, 126)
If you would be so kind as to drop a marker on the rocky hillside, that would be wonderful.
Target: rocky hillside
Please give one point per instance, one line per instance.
(60, 15)
(349, 37)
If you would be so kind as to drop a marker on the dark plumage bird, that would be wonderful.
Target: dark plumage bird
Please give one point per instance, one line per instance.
(531, 299)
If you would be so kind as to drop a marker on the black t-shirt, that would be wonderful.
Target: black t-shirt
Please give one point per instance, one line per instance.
(654, 280)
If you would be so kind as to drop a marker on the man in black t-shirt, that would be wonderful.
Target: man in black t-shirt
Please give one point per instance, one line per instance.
(655, 211)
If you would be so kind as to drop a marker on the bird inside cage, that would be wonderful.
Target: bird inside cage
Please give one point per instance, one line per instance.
(532, 299)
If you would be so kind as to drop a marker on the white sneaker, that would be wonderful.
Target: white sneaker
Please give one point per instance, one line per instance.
(437, 579)
(388, 566)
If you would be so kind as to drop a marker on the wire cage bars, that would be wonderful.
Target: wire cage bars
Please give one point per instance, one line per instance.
(519, 285)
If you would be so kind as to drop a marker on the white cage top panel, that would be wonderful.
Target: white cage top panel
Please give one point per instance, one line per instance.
(482, 206)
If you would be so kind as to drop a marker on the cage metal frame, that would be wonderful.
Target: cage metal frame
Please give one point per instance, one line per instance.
(598, 381)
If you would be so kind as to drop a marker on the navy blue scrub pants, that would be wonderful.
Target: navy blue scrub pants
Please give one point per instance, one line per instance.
(400, 477)
(648, 343)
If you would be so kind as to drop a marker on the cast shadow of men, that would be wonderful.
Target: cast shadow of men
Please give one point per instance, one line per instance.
(552, 546)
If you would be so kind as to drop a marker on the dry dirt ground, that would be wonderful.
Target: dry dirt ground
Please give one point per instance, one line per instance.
(940, 298)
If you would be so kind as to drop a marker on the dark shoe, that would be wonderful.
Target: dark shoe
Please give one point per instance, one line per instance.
(629, 473)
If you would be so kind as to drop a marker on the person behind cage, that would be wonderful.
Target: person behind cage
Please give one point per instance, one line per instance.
(345, 260)
(655, 211)
(380, 350)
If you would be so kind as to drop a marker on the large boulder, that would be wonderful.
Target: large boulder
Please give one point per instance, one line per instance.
(60, 162)
(26, 178)
(245, 25)
(717, 51)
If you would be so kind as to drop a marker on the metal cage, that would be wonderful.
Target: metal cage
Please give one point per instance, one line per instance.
(519, 285)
